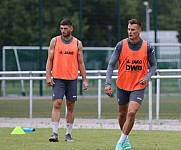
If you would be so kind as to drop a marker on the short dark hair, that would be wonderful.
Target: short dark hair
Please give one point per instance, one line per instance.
(135, 21)
(66, 22)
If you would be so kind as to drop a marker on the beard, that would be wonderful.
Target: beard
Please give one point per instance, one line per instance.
(66, 35)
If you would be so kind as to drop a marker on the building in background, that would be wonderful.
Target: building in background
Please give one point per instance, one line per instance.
(168, 53)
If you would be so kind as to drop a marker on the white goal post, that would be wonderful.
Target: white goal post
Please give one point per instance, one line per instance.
(166, 52)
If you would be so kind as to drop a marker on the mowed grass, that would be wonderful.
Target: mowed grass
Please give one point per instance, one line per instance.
(89, 139)
(88, 108)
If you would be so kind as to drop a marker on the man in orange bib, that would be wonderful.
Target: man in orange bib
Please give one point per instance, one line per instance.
(65, 58)
(133, 55)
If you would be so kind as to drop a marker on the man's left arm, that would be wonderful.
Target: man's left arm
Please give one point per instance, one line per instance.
(82, 65)
(152, 61)
(153, 65)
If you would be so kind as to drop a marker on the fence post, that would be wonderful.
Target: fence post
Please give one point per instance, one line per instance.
(4, 69)
(31, 95)
(150, 103)
(157, 97)
(99, 96)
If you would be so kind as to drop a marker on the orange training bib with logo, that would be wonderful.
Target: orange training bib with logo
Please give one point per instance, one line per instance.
(132, 66)
(65, 61)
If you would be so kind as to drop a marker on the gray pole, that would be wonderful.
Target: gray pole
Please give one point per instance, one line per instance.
(155, 31)
(148, 11)
(80, 34)
(40, 43)
(118, 21)
(155, 20)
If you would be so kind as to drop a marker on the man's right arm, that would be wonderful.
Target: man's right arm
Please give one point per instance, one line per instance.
(110, 68)
(112, 63)
(49, 63)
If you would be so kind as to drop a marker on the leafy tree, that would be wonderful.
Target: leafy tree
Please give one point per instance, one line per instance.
(19, 20)
(18, 25)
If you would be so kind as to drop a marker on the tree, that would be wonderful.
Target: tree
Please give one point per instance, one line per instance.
(19, 20)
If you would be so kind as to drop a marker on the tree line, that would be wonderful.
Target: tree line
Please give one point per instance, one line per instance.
(19, 20)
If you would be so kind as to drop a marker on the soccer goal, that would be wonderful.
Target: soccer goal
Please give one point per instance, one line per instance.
(22, 58)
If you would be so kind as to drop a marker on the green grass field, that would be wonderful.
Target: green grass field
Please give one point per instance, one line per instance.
(88, 108)
(89, 139)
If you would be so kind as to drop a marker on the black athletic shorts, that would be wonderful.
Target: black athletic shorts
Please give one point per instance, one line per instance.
(67, 88)
(123, 97)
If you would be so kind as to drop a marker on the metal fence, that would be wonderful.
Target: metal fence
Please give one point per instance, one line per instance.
(98, 76)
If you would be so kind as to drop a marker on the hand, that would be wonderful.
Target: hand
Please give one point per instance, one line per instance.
(49, 81)
(143, 81)
(85, 85)
(108, 90)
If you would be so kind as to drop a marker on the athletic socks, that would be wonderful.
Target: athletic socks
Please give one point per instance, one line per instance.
(69, 128)
(122, 138)
(55, 127)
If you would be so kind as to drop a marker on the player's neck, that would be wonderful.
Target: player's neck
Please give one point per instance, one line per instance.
(135, 41)
(67, 38)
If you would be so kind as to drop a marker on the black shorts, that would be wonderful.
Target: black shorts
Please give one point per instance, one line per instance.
(123, 97)
(64, 87)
